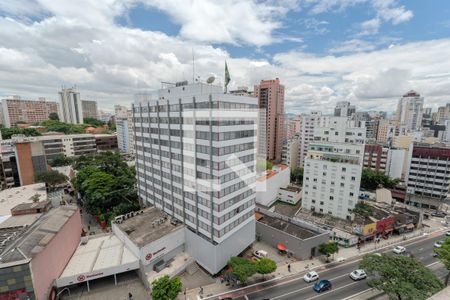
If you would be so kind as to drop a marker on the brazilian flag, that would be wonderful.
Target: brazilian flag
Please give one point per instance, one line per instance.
(227, 76)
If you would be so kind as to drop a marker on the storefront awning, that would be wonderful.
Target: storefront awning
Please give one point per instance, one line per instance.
(281, 247)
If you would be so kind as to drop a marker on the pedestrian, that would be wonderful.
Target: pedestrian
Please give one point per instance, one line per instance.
(201, 291)
(130, 296)
(289, 268)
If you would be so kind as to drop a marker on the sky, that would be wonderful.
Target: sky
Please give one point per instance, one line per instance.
(368, 52)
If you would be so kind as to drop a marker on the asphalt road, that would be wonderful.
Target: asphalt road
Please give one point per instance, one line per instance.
(343, 285)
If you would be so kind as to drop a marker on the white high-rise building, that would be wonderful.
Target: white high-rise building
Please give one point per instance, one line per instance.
(198, 165)
(125, 133)
(306, 135)
(333, 169)
(71, 110)
(344, 109)
(410, 111)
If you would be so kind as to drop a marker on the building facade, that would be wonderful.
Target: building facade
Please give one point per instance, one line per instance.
(71, 109)
(410, 110)
(428, 179)
(306, 135)
(18, 110)
(333, 169)
(125, 133)
(289, 154)
(270, 94)
(195, 160)
(344, 109)
(89, 108)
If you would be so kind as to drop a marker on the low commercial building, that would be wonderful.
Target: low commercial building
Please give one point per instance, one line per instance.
(297, 237)
(21, 195)
(36, 255)
(106, 142)
(274, 185)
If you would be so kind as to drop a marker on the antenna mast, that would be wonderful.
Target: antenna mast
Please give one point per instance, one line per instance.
(193, 66)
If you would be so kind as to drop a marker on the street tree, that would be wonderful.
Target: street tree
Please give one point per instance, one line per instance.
(400, 277)
(53, 116)
(242, 268)
(165, 288)
(52, 178)
(371, 179)
(444, 256)
(328, 249)
(265, 266)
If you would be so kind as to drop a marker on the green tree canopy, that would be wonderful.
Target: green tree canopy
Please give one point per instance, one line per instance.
(51, 178)
(7, 133)
(60, 160)
(106, 184)
(53, 116)
(328, 249)
(165, 288)
(400, 277)
(297, 175)
(371, 179)
(444, 257)
(93, 122)
(363, 209)
(242, 268)
(265, 266)
(56, 125)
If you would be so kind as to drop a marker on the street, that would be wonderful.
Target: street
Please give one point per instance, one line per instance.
(343, 286)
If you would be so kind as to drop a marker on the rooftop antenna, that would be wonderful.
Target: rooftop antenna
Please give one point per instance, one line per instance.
(193, 66)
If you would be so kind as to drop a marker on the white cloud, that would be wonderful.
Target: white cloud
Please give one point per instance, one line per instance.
(351, 46)
(111, 63)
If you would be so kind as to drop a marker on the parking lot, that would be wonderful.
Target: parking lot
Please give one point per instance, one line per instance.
(272, 253)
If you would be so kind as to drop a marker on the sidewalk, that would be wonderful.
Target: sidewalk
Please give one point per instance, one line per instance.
(303, 266)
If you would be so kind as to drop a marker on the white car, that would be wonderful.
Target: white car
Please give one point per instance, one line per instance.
(311, 276)
(358, 275)
(438, 244)
(399, 249)
(447, 233)
(260, 253)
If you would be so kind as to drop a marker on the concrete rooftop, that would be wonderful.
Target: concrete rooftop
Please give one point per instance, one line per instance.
(145, 228)
(290, 228)
(9, 198)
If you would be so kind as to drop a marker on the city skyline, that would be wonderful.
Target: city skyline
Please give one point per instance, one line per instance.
(365, 52)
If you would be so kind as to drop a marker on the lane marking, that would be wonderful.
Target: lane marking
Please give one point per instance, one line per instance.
(333, 290)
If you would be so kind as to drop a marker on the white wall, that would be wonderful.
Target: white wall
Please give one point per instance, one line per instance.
(267, 190)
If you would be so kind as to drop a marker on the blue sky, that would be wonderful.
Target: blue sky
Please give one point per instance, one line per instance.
(365, 51)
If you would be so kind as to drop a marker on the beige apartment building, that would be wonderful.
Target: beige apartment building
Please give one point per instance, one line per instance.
(16, 110)
(270, 94)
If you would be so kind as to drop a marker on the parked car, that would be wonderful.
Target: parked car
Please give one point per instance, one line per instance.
(439, 214)
(447, 233)
(260, 253)
(358, 274)
(438, 244)
(321, 286)
(311, 276)
(399, 249)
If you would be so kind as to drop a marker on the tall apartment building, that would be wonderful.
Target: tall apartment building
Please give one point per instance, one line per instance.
(270, 94)
(293, 127)
(120, 111)
(89, 108)
(125, 133)
(333, 169)
(289, 154)
(443, 114)
(428, 179)
(344, 109)
(71, 110)
(388, 130)
(198, 165)
(306, 133)
(16, 110)
(410, 110)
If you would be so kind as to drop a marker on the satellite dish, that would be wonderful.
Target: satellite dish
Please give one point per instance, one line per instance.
(211, 79)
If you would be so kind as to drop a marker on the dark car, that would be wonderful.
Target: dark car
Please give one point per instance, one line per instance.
(323, 285)
(439, 214)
